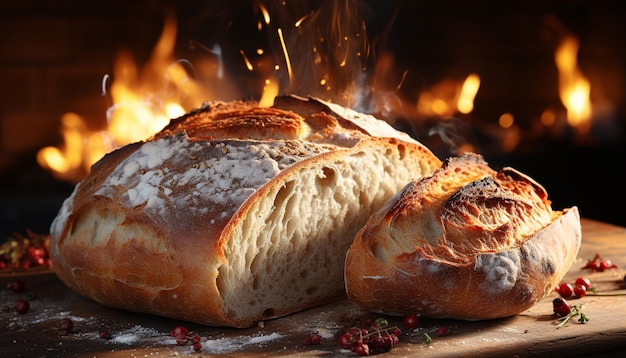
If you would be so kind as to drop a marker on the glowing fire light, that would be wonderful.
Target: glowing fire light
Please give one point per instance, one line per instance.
(299, 22)
(82, 147)
(574, 88)
(270, 91)
(448, 97)
(144, 102)
(465, 104)
(286, 53)
(246, 61)
(266, 14)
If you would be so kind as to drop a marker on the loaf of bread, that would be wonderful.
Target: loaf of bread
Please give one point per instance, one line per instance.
(233, 213)
(466, 243)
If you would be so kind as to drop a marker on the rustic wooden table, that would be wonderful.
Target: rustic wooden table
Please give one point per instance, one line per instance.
(532, 333)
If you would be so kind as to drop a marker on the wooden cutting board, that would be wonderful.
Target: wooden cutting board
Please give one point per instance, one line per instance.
(531, 333)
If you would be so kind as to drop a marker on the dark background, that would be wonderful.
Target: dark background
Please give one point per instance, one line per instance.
(53, 55)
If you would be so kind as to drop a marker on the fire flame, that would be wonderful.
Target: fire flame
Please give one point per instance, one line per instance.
(449, 97)
(82, 147)
(574, 88)
(144, 102)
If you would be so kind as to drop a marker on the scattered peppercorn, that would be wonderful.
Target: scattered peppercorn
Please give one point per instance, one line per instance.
(67, 325)
(16, 285)
(22, 306)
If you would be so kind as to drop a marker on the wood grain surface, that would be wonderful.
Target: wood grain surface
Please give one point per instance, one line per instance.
(529, 334)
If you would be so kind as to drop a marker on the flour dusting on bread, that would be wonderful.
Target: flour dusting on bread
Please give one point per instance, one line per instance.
(232, 213)
(466, 242)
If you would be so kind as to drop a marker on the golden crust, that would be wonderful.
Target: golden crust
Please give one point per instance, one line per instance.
(465, 243)
(199, 221)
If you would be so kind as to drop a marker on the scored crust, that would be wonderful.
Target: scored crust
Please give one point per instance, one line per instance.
(232, 213)
(465, 243)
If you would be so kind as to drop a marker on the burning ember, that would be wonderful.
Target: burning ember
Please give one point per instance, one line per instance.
(330, 62)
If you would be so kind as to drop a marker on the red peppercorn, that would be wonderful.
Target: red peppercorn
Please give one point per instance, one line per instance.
(442, 331)
(560, 307)
(411, 321)
(605, 265)
(580, 291)
(346, 341)
(307, 341)
(22, 306)
(362, 349)
(67, 324)
(104, 335)
(593, 265)
(179, 332)
(565, 290)
(316, 339)
(16, 285)
(583, 281)
(195, 339)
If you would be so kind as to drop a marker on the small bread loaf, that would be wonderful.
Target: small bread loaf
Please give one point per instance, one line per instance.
(232, 213)
(465, 243)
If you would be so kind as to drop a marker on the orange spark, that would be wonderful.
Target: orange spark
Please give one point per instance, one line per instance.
(288, 62)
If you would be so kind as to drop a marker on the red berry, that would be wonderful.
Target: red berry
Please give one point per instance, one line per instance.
(16, 285)
(580, 290)
(411, 321)
(346, 341)
(22, 306)
(104, 335)
(442, 331)
(593, 265)
(605, 265)
(376, 341)
(67, 324)
(565, 290)
(362, 349)
(378, 324)
(197, 346)
(394, 339)
(312, 339)
(179, 332)
(583, 281)
(560, 307)
(195, 339)
(306, 340)
(316, 338)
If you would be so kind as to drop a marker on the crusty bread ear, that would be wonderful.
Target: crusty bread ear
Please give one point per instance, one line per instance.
(233, 213)
(467, 243)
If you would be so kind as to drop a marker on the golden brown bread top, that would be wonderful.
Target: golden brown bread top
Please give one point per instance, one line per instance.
(465, 208)
(467, 242)
(221, 208)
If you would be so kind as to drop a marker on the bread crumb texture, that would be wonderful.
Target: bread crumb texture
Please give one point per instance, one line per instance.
(232, 214)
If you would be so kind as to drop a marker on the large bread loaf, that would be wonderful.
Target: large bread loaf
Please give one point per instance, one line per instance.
(233, 213)
(467, 243)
